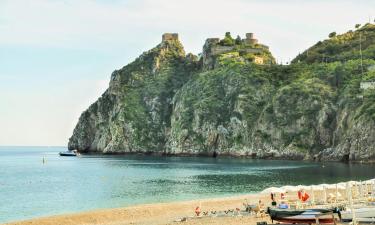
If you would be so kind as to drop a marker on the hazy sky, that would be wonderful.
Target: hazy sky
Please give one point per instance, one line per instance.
(56, 56)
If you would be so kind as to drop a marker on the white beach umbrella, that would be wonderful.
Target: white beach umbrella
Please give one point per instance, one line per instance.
(361, 192)
(302, 187)
(273, 190)
(318, 187)
(349, 193)
(352, 182)
(312, 194)
(341, 186)
(331, 195)
(324, 194)
(329, 186)
(290, 188)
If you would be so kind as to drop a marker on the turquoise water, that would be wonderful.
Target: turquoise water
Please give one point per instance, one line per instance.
(29, 188)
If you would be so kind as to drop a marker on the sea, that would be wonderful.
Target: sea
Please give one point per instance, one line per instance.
(36, 181)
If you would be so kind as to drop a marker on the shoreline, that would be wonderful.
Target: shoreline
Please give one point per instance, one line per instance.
(224, 155)
(173, 213)
(152, 213)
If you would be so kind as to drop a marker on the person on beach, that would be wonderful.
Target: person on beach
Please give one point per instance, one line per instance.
(302, 195)
(197, 211)
(273, 201)
(283, 205)
(260, 208)
(282, 195)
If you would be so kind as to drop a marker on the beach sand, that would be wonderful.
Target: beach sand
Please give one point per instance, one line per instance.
(168, 213)
(160, 213)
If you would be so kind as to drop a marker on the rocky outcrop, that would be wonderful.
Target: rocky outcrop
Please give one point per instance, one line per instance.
(167, 102)
(133, 115)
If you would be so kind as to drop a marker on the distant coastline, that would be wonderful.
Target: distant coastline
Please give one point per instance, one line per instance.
(222, 155)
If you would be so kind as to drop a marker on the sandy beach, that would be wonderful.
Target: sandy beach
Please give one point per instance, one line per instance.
(170, 213)
(160, 213)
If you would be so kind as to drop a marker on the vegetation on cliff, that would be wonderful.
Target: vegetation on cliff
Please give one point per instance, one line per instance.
(171, 103)
(342, 47)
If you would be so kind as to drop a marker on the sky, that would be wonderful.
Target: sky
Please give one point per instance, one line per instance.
(56, 56)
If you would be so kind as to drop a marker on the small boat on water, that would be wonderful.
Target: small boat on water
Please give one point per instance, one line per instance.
(69, 153)
(304, 216)
(363, 214)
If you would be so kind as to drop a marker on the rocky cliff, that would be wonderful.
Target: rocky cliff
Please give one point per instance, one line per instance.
(168, 102)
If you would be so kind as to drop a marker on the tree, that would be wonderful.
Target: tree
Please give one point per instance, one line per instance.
(228, 40)
(331, 35)
(227, 35)
(238, 40)
(357, 26)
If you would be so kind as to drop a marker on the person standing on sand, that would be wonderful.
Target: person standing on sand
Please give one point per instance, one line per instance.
(197, 211)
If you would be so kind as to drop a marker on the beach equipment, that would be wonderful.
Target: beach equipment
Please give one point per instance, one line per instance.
(350, 199)
(273, 190)
(289, 188)
(363, 213)
(317, 187)
(324, 194)
(312, 194)
(306, 216)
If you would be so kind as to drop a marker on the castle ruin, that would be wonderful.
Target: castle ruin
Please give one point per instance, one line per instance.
(250, 40)
(212, 48)
(170, 37)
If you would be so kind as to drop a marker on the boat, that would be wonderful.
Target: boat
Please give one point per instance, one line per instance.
(363, 214)
(69, 153)
(304, 216)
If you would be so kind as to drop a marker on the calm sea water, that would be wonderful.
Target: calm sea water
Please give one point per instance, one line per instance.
(29, 188)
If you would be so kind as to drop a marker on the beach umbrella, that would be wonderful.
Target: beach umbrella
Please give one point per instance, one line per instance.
(318, 187)
(273, 190)
(312, 194)
(330, 186)
(360, 189)
(349, 193)
(341, 186)
(353, 188)
(302, 187)
(325, 194)
(290, 188)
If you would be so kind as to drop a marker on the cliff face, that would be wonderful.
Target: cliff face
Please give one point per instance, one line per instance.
(134, 113)
(171, 103)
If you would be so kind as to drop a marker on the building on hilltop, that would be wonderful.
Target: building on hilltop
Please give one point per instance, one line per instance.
(213, 47)
(169, 37)
(258, 60)
(250, 40)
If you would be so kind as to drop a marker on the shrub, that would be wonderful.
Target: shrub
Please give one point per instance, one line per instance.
(331, 35)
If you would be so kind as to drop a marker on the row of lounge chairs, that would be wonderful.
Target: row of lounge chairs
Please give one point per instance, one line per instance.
(256, 210)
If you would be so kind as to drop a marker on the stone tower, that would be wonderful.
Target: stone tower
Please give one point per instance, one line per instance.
(170, 37)
(250, 39)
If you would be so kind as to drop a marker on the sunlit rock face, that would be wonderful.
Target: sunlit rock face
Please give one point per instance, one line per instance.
(224, 102)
